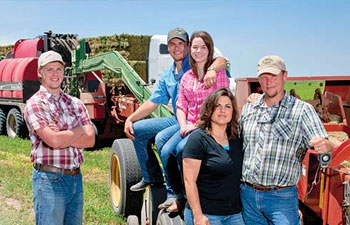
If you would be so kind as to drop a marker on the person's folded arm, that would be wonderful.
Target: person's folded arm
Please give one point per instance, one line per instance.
(87, 140)
(59, 139)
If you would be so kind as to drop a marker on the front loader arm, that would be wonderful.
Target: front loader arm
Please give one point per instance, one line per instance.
(114, 62)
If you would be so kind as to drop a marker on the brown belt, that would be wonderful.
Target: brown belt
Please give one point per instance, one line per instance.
(265, 188)
(72, 172)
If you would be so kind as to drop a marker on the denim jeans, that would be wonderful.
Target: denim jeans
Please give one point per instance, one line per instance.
(234, 219)
(172, 170)
(144, 132)
(272, 207)
(57, 198)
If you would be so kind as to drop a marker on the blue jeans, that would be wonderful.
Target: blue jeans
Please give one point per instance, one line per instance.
(144, 132)
(57, 198)
(272, 207)
(234, 219)
(171, 157)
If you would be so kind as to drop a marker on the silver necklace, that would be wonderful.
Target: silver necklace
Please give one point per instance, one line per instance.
(221, 138)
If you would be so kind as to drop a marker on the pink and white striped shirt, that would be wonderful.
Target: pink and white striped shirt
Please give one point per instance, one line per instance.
(192, 93)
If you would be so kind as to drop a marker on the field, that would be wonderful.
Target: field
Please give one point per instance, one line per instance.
(305, 89)
(16, 186)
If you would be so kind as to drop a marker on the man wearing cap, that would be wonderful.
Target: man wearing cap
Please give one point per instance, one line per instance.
(276, 130)
(59, 129)
(143, 131)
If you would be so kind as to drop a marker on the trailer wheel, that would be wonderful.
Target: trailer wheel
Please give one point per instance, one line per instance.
(132, 220)
(124, 171)
(166, 218)
(2, 122)
(15, 124)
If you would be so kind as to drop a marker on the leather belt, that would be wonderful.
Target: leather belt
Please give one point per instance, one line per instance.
(265, 188)
(72, 172)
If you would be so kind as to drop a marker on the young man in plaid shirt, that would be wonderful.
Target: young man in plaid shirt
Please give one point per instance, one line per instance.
(59, 129)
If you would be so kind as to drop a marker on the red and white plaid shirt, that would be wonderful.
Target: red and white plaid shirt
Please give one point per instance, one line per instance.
(192, 93)
(67, 113)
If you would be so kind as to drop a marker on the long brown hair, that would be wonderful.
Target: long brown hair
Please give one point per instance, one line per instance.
(210, 104)
(210, 45)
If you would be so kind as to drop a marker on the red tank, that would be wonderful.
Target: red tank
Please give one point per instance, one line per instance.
(18, 78)
(28, 48)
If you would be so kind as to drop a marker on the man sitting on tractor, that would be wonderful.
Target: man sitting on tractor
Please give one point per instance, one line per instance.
(142, 132)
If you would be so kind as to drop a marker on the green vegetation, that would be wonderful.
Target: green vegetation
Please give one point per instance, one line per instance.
(305, 89)
(16, 185)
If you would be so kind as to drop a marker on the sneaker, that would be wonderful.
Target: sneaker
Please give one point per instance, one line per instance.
(168, 202)
(140, 186)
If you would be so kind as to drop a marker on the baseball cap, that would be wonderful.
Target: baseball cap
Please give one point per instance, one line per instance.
(49, 56)
(178, 32)
(271, 64)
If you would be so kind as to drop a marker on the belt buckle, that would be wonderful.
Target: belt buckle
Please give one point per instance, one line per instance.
(36, 166)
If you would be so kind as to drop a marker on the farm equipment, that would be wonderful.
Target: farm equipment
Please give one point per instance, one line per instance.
(324, 187)
(108, 105)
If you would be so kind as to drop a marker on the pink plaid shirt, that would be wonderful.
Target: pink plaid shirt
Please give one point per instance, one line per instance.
(67, 113)
(190, 98)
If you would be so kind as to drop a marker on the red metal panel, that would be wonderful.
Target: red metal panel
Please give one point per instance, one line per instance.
(2, 66)
(341, 90)
(94, 103)
(28, 48)
(336, 195)
(90, 76)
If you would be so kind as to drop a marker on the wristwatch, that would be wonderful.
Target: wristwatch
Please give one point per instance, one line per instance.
(212, 68)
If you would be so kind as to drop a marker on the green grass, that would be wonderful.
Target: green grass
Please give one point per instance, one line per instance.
(16, 185)
(305, 89)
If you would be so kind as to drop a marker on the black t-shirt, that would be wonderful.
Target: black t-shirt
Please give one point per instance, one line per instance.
(219, 175)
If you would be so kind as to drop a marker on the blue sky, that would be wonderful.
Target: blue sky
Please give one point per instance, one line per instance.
(313, 36)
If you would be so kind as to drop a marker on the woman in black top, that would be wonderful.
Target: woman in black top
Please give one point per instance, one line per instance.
(212, 163)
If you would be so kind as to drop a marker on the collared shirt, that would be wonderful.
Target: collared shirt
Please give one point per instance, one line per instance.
(275, 140)
(67, 113)
(193, 93)
(168, 85)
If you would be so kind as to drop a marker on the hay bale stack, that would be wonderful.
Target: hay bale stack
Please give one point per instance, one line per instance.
(5, 49)
(132, 47)
(139, 67)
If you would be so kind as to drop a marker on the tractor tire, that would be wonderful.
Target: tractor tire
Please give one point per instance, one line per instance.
(15, 124)
(166, 218)
(132, 220)
(2, 122)
(124, 171)
(153, 197)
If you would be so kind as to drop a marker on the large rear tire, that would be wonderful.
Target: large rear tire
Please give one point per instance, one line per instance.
(124, 171)
(166, 218)
(15, 124)
(2, 122)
